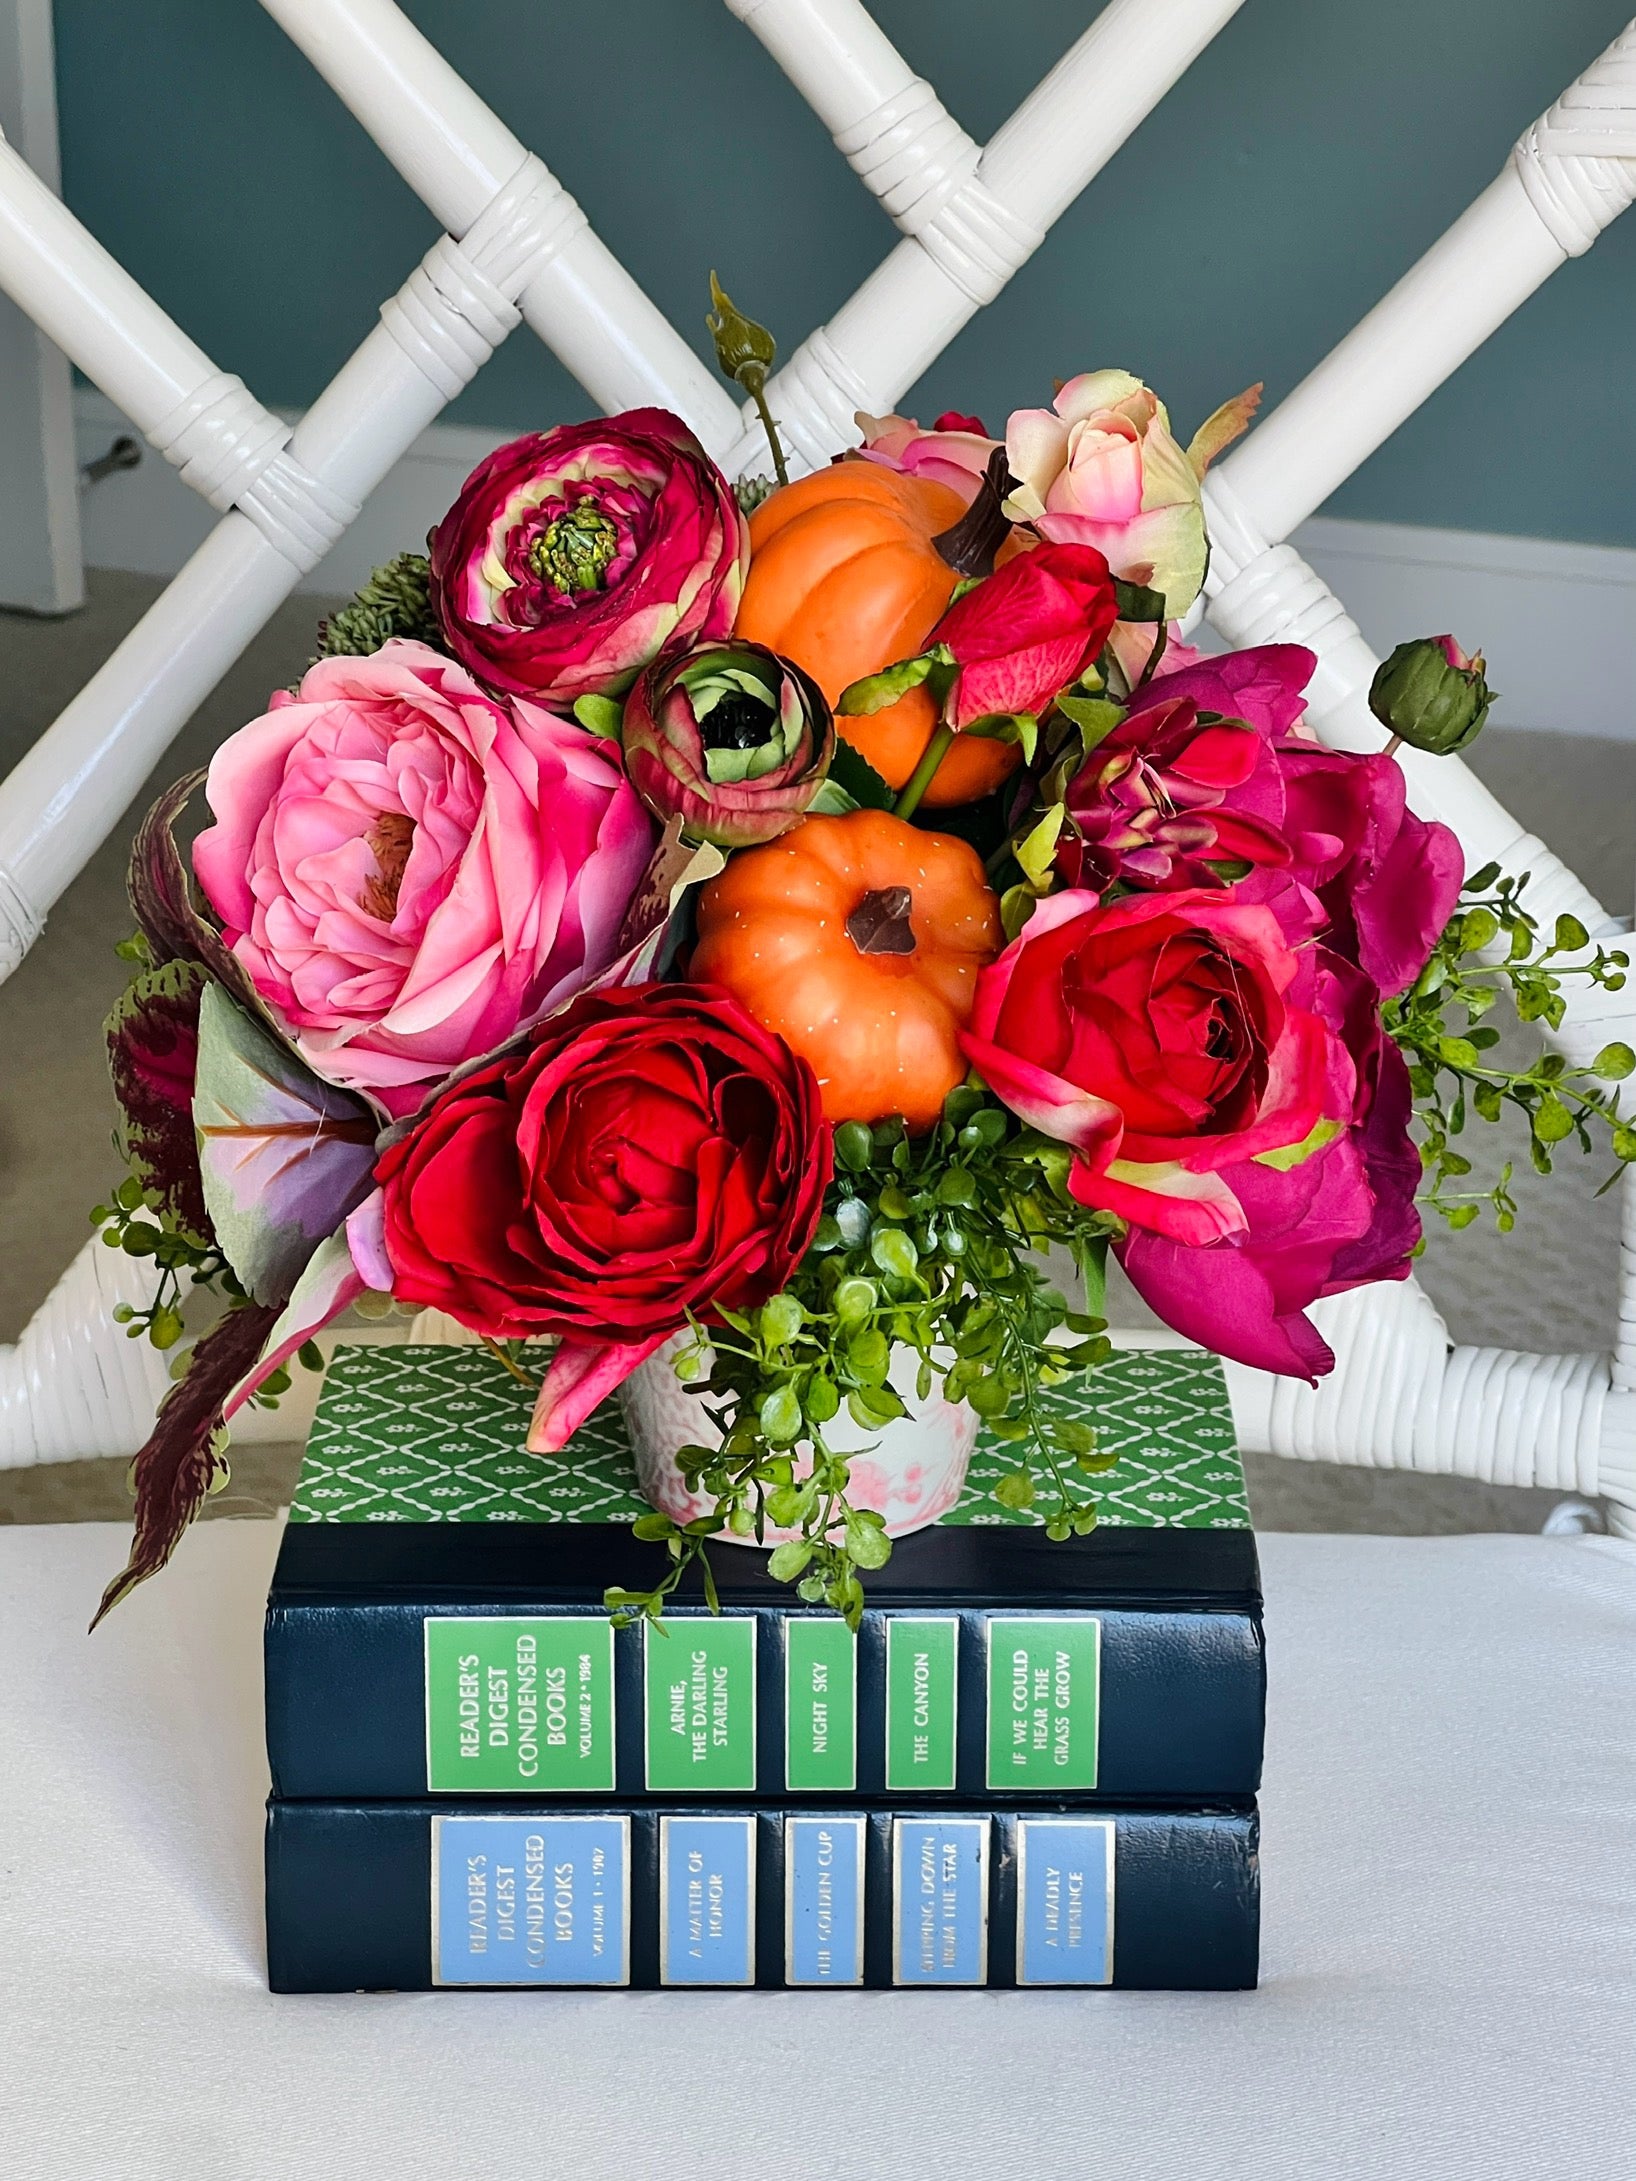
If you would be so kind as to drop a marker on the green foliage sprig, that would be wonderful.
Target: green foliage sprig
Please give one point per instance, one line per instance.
(396, 601)
(924, 1244)
(1493, 947)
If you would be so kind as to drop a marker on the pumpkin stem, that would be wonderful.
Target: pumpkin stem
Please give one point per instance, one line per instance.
(970, 546)
(880, 923)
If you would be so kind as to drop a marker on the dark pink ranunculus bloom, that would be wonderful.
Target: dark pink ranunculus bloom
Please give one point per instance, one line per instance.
(573, 557)
(1206, 773)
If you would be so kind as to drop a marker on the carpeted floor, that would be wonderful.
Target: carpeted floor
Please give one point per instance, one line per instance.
(1549, 1287)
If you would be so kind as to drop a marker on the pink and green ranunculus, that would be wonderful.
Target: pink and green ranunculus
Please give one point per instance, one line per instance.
(731, 739)
(573, 557)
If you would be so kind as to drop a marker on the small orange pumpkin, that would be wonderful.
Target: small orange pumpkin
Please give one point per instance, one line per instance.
(845, 580)
(858, 940)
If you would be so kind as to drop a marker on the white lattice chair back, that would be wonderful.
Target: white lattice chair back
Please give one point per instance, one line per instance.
(519, 248)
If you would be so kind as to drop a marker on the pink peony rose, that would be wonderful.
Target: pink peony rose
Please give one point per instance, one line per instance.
(1101, 468)
(573, 557)
(411, 871)
(953, 452)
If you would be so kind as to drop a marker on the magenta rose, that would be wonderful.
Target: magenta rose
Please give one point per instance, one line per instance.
(1228, 1091)
(573, 557)
(1340, 1218)
(410, 871)
(1206, 774)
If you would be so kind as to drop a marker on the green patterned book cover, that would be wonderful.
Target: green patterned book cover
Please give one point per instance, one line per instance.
(435, 1434)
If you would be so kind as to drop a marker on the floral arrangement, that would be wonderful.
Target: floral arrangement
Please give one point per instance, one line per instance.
(754, 923)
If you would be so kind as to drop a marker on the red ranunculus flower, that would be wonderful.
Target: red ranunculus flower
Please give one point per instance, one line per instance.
(649, 1152)
(1026, 631)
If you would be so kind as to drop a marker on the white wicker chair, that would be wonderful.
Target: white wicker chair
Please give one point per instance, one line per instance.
(518, 247)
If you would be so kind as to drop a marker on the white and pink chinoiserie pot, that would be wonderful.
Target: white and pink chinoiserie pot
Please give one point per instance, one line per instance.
(912, 1470)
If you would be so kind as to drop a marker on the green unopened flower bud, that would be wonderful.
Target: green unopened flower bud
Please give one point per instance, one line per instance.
(1431, 696)
(744, 350)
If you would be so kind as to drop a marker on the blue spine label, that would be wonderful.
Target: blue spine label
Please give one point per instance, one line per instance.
(823, 1900)
(531, 1900)
(1065, 1900)
(707, 1883)
(940, 1900)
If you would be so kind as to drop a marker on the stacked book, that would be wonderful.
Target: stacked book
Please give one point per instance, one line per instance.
(1035, 1763)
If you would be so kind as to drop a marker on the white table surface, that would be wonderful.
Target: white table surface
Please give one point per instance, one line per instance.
(1449, 1947)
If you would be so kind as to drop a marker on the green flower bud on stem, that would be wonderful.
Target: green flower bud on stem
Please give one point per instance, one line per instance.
(745, 352)
(1431, 696)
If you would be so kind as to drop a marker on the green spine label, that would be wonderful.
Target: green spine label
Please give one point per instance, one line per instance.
(920, 1702)
(699, 1686)
(820, 1706)
(518, 1706)
(1044, 1685)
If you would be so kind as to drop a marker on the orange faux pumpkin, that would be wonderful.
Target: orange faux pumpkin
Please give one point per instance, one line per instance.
(858, 940)
(844, 579)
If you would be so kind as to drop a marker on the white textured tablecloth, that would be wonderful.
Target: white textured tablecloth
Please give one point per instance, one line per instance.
(1449, 1954)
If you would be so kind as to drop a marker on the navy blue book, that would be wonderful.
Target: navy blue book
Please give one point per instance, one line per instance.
(407, 1896)
(436, 1628)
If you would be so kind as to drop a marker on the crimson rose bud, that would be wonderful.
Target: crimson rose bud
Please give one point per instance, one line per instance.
(650, 1152)
(1431, 696)
(1027, 631)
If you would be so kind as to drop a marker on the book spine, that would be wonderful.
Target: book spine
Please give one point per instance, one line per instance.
(401, 1700)
(408, 1897)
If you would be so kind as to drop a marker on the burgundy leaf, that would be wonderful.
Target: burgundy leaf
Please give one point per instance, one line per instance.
(153, 1050)
(162, 898)
(174, 1472)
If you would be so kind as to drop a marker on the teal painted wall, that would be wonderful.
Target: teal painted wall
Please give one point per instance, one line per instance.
(1308, 157)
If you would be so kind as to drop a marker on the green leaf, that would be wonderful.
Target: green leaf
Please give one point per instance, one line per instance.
(1095, 717)
(858, 779)
(869, 1357)
(1036, 851)
(1075, 1437)
(876, 691)
(1613, 1063)
(1137, 602)
(780, 1415)
(894, 1252)
(1015, 1489)
(787, 1561)
(1553, 1123)
(651, 1528)
(1570, 935)
(604, 716)
(866, 1540)
(873, 1407)
(823, 1399)
(854, 1300)
(853, 1147)
(781, 1319)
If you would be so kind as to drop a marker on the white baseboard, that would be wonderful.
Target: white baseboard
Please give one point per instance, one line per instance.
(1557, 621)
